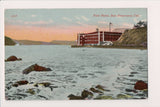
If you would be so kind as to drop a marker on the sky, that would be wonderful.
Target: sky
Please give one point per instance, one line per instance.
(64, 24)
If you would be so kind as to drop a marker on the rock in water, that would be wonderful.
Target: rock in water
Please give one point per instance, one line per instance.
(31, 91)
(13, 58)
(35, 67)
(40, 68)
(140, 85)
(18, 83)
(95, 91)
(45, 84)
(28, 70)
(86, 93)
(123, 96)
(100, 87)
(73, 97)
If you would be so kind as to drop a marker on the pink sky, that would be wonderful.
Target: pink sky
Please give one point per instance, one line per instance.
(64, 24)
(69, 33)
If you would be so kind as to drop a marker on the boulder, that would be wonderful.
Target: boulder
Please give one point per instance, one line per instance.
(100, 87)
(35, 67)
(13, 58)
(140, 85)
(86, 93)
(18, 83)
(31, 91)
(96, 91)
(73, 97)
(40, 68)
(123, 96)
(45, 84)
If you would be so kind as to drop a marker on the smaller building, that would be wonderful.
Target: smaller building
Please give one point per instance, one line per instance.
(97, 38)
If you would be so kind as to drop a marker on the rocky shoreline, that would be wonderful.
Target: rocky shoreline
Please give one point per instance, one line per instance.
(116, 47)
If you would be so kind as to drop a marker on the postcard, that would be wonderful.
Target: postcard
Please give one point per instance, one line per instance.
(76, 54)
(68, 53)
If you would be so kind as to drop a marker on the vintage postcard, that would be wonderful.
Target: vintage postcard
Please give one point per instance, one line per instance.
(76, 54)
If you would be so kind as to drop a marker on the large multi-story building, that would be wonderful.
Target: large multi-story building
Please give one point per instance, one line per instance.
(97, 38)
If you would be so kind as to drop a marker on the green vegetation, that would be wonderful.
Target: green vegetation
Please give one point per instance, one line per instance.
(9, 41)
(140, 24)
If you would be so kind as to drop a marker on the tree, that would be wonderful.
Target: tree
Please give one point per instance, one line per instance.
(141, 24)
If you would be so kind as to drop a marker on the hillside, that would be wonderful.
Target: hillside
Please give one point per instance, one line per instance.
(9, 41)
(30, 42)
(133, 37)
(64, 42)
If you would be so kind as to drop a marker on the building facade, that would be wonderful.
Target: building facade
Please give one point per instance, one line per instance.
(97, 38)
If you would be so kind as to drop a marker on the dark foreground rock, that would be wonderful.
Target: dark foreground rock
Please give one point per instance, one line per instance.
(86, 94)
(95, 91)
(13, 58)
(73, 97)
(45, 84)
(140, 85)
(31, 91)
(35, 67)
(18, 83)
(100, 87)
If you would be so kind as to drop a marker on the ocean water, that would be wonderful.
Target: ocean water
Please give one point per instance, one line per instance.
(73, 70)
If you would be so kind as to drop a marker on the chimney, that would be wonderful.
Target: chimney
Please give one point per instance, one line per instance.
(110, 26)
(97, 30)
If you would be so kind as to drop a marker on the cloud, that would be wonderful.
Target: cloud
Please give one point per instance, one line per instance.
(82, 24)
(135, 20)
(33, 15)
(10, 22)
(38, 22)
(102, 22)
(122, 25)
(78, 22)
(84, 18)
(127, 25)
(50, 21)
(78, 18)
(67, 19)
(145, 20)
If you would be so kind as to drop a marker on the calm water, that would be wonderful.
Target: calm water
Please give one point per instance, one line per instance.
(73, 70)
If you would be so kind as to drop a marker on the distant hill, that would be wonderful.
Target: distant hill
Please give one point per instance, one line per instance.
(9, 41)
(55, 42)
(64, 42)
(133, 37)
(30, 42)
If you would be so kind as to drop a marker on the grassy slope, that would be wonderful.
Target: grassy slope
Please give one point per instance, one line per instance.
(134, 36)
(9, 41)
